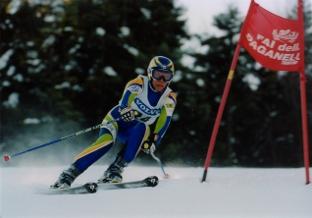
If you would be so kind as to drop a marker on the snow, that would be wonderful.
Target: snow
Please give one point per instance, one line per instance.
(228, 193)
(147, 13)
(108, 70)
(77, 88)
(125, 31)
(34, 62)
(11, 71)
(17, 77)
(32, 54)
(13, 100)
(100, 31)
(63, 85)
(31, 121)
(139, 70)
(13, 6)
(50, 18)
(4, 58)
(48, 41)
(6, 83)
(177, 76)
(74, 49)
(200, 82)
(252, 81)
(131, 50)
(68, 29)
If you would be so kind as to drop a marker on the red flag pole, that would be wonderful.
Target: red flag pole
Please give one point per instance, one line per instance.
(220, 111)
(225, 95)
(304, 118)
(303, 97)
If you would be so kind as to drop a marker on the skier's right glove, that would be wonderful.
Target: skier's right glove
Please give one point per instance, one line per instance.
(127, 114)
(148, 147)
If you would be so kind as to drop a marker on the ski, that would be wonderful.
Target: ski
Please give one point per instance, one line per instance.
(93, 187)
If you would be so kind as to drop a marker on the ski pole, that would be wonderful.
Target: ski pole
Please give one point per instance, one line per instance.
(160, 164)
(7, 157)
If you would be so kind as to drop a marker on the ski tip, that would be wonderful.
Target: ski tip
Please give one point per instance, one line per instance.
(152, 181)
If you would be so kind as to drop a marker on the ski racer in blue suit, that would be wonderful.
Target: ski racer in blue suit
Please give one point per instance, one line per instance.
(139, 121)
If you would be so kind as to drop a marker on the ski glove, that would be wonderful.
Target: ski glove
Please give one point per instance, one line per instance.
(149, 147)
(127, 114)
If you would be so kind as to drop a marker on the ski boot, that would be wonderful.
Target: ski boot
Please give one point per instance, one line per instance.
(66, 178)
(114, 171)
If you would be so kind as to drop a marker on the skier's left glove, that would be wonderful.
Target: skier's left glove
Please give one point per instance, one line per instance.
(148, 147)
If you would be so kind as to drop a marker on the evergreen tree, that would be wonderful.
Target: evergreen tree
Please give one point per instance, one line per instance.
(70, 60)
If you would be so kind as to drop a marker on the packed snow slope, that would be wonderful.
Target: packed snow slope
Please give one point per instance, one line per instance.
(228, 193)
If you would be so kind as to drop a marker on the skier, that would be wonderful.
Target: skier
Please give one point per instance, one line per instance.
(139, 121)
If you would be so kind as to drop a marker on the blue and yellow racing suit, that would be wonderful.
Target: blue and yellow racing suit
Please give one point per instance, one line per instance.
(155, 111)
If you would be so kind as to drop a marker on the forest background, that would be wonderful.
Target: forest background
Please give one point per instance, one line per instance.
(64, 65)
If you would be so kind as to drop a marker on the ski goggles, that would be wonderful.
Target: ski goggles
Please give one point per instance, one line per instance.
(165, 76)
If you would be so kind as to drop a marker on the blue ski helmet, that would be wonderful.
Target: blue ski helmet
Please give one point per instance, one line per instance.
(160, 64)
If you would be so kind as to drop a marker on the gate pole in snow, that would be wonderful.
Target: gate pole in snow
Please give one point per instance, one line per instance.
(303, 97)
(220, 111)
(304, 120)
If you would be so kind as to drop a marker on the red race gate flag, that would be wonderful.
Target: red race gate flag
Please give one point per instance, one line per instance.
(273, 41)
(277, 43)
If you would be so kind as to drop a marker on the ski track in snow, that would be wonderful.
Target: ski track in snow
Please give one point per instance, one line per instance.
(228, 193)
